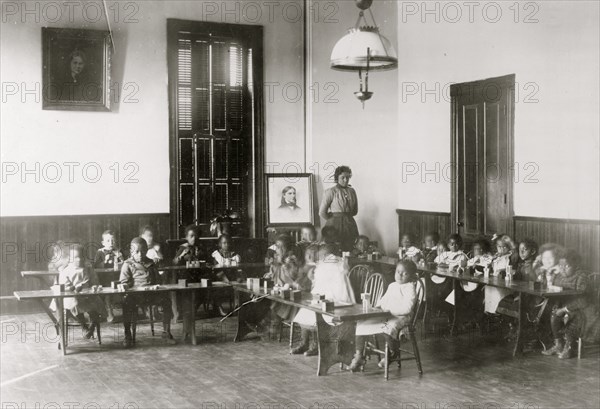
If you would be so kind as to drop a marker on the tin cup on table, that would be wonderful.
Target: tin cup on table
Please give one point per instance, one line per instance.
(366, 301)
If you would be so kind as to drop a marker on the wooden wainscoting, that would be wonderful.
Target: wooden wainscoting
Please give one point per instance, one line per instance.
(27, 241)
(580, 235)
(419, 223)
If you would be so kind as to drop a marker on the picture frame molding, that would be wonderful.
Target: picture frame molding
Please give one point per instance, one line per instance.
(48, 34)
(311, 197)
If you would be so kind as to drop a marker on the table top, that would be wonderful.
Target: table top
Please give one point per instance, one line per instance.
(385, 260)
(203, 267)
(352, 312)
(41, 294)
(499, 282)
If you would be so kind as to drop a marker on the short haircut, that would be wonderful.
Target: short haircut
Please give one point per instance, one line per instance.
(224, 236)
(311, 228)
(146, 228)
(435, 236)
(327, 249)
(556, 249)
(341, 169)
(286, 239)
(408, 235)
(109, 232)
(530, 244)
(410, 267)
(456, 237)
(505, 238)
(141, 243)
(484, 244)
(362, 237)
(191, 227)
(313, 251)
(572, 257)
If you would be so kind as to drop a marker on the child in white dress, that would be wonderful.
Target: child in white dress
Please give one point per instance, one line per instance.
(407, 250)
(77, 276)
(399, 300)
(331, 280)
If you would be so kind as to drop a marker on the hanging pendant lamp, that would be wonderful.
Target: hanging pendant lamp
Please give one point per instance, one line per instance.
(363, 49)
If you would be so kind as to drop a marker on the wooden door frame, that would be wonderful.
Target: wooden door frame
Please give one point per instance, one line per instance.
(256, 220)
(506, 81)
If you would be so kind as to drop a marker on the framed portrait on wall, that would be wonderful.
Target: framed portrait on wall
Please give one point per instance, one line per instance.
(75, 69)
(289, 199)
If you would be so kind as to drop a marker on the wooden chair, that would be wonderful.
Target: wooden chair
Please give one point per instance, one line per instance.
(375, 287)
(594, 283)
(358, 277)
(73, 324)
(411, 331)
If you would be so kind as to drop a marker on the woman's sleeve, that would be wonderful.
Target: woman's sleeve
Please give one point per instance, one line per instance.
(354, 204)
(325, 204)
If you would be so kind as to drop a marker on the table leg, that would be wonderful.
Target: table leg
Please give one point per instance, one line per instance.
(192, 328)
(173, 295)
(249, 316)
(455, 286)
(520, 320)
(48, 311)
(62, 325)
(336, 344)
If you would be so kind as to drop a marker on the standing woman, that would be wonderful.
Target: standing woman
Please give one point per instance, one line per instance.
(339, 206)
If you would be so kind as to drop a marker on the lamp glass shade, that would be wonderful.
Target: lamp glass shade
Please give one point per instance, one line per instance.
(350, 52)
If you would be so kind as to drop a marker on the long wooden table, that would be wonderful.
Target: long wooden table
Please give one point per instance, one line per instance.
(42, 297)
(173, 271)
(523, 288)
(336, 342)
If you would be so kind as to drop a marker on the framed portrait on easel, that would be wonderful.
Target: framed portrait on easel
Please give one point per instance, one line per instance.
(289, 199)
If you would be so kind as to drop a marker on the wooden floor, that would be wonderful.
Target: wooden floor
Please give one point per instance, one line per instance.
(467, 371)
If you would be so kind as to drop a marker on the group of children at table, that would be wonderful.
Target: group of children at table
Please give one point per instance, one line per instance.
(317, 266)
(140, 269)
(551, 265)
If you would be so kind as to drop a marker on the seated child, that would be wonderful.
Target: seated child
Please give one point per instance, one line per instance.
(481, 256)
(523, 271)
(330, 235)
(76, 276)
(290, 275)
(454, 256)
(107, 257)
(308, 236)
(59, 259)
(570, 313)
(407, 251)
(139, 271)
(189, 251)
(546, 265)
(154, 253)
(399, 299)
(225, 254)
(361, 247)
(430, 245)
(528, 250)
(331, 280)
(505, 255)
(311, 256)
